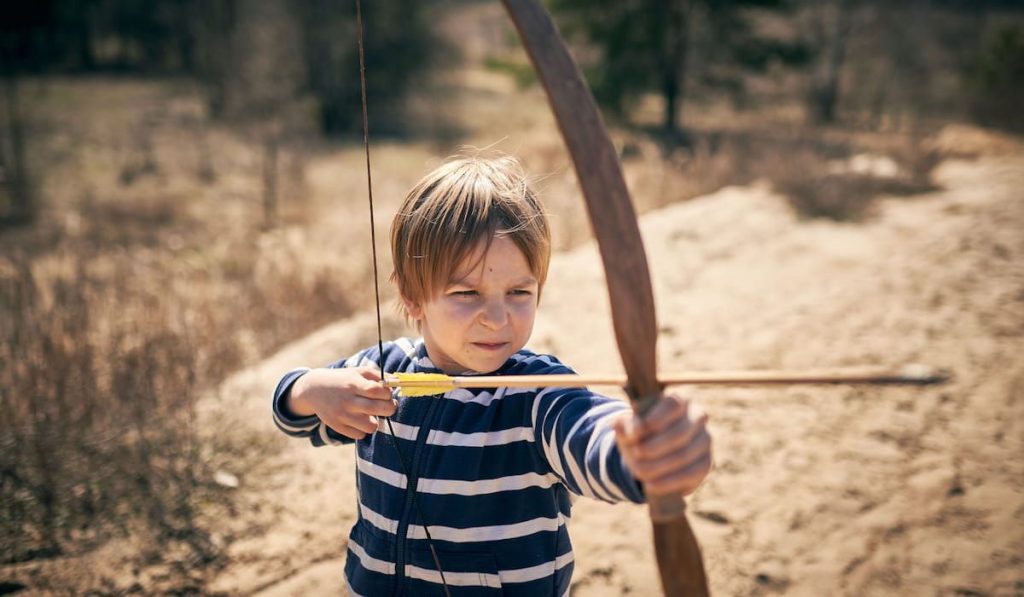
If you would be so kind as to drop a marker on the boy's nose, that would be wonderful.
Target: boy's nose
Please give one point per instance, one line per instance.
(494, 314)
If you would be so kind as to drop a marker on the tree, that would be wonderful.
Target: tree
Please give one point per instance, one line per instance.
(399, 47)
(998, 80)
(830, 35)
(643, 46)
(22, 30)
(646, 45)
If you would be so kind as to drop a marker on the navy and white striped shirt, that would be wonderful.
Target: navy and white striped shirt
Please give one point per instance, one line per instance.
(494, 472)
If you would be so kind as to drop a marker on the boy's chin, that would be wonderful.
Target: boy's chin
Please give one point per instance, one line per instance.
(483, 366)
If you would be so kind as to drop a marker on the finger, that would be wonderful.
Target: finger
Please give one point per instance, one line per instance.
(692, 452)
(349, 417)
(651, 469)
(347, 431)
(370, 373)
(673, 438)
(372, 406)
(366, 424)
(373, 389)
(669, 409)
(684, 482)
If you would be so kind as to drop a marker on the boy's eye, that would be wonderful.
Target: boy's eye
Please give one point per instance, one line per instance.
(521, 292)
(463, 293)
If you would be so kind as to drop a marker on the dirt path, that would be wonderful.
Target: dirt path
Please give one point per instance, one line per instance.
(835, 490)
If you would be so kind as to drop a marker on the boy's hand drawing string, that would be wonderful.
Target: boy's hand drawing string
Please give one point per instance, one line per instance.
(376, 292)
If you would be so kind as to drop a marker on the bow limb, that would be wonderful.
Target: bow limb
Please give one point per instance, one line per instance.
(629, 285)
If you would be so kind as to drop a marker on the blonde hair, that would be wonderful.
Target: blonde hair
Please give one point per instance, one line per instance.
(467, 200)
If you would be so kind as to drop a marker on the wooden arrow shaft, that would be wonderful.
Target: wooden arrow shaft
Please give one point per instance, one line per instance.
(859, 375)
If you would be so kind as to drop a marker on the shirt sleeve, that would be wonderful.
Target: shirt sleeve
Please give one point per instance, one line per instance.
(311, 427)
(573, 431)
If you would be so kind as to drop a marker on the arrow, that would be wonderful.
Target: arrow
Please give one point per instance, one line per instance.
(411, 385)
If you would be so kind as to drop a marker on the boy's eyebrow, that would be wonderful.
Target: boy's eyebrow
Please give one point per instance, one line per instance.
(525, 281)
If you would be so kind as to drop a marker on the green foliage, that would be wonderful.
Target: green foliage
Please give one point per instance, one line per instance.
(77, 35)
(757, 54)
(399, 45)
(997, 80)
(630, 35)
(202, 38)
(646, 46)
(522, 73)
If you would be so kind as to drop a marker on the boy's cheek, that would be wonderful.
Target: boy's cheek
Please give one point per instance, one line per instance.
(525, 308)
(456, 311)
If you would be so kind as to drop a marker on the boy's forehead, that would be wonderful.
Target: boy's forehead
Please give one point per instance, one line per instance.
(502, 253)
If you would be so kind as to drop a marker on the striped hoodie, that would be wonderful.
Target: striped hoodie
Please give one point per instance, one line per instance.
(494, 473)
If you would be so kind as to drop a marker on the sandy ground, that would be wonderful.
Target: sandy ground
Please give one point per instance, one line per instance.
(817, 490)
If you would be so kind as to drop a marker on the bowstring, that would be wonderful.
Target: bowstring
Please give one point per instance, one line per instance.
(376, 290)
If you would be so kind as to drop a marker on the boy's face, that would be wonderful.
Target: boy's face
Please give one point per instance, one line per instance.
(484, 314)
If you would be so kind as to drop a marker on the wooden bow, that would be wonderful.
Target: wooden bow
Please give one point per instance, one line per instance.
(622, 252)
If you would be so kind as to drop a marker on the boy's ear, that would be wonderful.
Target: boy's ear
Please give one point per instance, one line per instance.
(412, 308)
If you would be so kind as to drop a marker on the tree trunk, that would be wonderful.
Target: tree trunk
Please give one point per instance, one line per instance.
(824, 93)
(19, 187)
(214, 31)
(672, 57)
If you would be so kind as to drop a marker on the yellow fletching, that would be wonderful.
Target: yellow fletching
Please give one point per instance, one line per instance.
(413, 377)
(415, 385)
(419, 392)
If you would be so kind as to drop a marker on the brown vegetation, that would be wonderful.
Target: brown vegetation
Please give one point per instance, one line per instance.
(143, 282)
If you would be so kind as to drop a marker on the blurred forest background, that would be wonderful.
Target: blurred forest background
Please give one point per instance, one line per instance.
(182, 189)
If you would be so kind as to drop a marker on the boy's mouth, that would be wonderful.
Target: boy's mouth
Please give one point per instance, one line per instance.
(490, 345)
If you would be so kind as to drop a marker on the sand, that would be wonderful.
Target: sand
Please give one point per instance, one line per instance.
(836, 490)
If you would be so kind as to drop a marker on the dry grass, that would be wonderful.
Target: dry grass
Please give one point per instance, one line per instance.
(97, 411)
(145, 282)
(842, 181)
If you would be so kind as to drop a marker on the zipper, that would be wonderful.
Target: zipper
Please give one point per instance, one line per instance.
(412, 480)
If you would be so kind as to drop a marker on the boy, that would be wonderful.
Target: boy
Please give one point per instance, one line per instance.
(469, 492)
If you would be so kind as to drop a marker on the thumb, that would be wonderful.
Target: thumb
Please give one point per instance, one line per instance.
(624, 426)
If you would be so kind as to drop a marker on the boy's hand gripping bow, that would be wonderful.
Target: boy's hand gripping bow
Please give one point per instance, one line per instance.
(622, 252)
